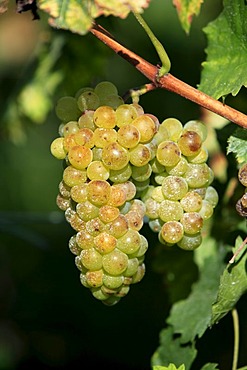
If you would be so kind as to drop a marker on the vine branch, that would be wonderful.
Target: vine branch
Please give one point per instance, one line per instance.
(168, 81)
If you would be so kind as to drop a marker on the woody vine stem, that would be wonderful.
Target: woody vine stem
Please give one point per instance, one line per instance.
(168, 81)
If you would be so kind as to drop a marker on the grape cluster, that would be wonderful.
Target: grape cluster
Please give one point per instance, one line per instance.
(121, 167)
(241, 205)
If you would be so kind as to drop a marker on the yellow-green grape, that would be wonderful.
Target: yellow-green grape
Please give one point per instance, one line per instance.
(125, 114)
(73, 246)
(129, 189)
(146, 127)
(88, 100)
(157, 194)
(155, 225)
(86, 120)
(118, 195)
(105, 88)
(62, 203)
(75, 221)
(172, 232)
(118, 227)
(64, 189)
(190, 143)
(72, 176)
(139, 274)
(141, 173)
(82, 90)
(200, 157)
(70, 127)
(157, 166)
(173, 128)
(178, 169)
(113, 101)
(86, 210)
(79, 193)
(198, 175)
(132, 268)
(130, 242)
(138, 108)
(95, 226)
(105, 117)
(140, 155)
(99, 192)
(69, 142)
(174, 187)
(141, 185)
(191, 202)
(80, 156)
(84, 136)
(114, 156)
(105, 243)
(168, 153)
(108, 213)
(206, 210)
(170, 210)
(57, 148)
(152, 208)
(91, 259)
(97, 154)
(135, 220)
(66, 109)
(211, 196)
(138, 206)
(121, 176)
(242, 174)
(192, 222)
(85, 240)
(104, 136)
(198, 127)
(190, 242)
(115, 262)
(113, 282)
(95, 278)
(96, 170)
(128, 136)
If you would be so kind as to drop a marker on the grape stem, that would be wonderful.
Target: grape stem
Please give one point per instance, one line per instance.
(168, 81)
(240, 248)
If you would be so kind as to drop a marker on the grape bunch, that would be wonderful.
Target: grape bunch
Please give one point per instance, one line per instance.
(121, 167)
(241, 205)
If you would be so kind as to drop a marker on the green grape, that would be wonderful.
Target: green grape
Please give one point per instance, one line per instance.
(197, 175)
(242, 174)
(156, 166)
(211, 196)
(98, 294)
(105, 117)
(152, 146)
(66, 109)
(174, 187)
(138, 206)
(168, 153)
(128, 136)
(82, 90)
(62, 203)
(105, 243)
(141, 173)
(117, 196)
(152, 208)
(155, 225)
(91, 259)
(83, 279)
(95, 226)
(198, 127)
(132, 268)
(69, 142)
(123, 291)
(96, 170)
(179, 169)
(156, 121)
(84, 136)
(130, 242)
(172, 232)
(97, 154)
(135, 220)
(170, 210)
(206, 210)
(129, 189)
(140, 155)
(138, 108)
(108, 213)
(73, 246)
(99, 192)
(173, 127)
(159, 177)
(191, 202)
(79, 193)
(85, 240)
(72, 176)
(105, 88)
(200, 157)
(138, 276)
(104, 136)
(75, 221)
(114, 156)
(190, 242)
(146, 127)
(95, 278)
(64, 189)
(113, 282)
(157, 194)
(80, 156)
(115, 262)
(88, 100)
(113, 101)
(142, 250)
(190, 143)
(141, 185)
(121, 176)
(118, 227)
(192, 222)
(70, 127)
(86, 210)
(57, 148)
(125, 114)
(86, 120)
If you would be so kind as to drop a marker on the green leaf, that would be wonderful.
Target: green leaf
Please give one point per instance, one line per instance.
(170, 367)
(172, 351)
(237, 144)
(191, 317)
(224, 71)
(210, 366)
(186, 9)
(77, 16)
(233, 285)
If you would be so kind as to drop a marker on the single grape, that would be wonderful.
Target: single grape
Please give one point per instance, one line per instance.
(159, 177)
(121, 176)
(99, 192)
(86, 120)
(141, 173)
(82, 90)
(113, 282)
(70, 127)
(206, 210)
(105, 88)
(105, 243)
(200, 157)
(108, 213)
(104, 136)
(86, 210)
(91, 259)
(211, 196)
(173, 127)
(242, 174)
(190, 242)
(140, 155)
(96, 170)
(95, 278)
(117, 196)
(179, 169)
(128, 136)
(157, 194)
(125, 114)
(115, 262)
(62, 203)
(72, 176)
(95, 226)
(191, 202)
(190, 143)
(64, 189)
(198, 127)
(66, 109)
(130, 242)
(146, 127)
(135, 220)
(84, 136)
(133, 264)
(168, 153)
(73, 246)
(172, 232)
(118, 227)
(152, 208)
(80, 157)
(170, 210)
(174, 187)
(85, 240)
(156, 225)
(105, 117)
(88, 100)
(138, 276)
(113, 101)
(192, 222)
(57, 148)
(79, 193)
(197, 175)
(243, 200)
(114, 156)
(69, 142)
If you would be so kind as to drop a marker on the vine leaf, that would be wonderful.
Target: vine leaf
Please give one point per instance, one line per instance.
(186, 9)
(237, 145)
(191, 317)
(77, 16)
(172, 351)
(170, 367)
(233, 285)
(224, 71)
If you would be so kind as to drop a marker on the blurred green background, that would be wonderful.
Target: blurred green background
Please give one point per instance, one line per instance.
(47, 319)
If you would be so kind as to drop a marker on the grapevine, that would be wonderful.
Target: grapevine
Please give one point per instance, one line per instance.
(121, 166)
